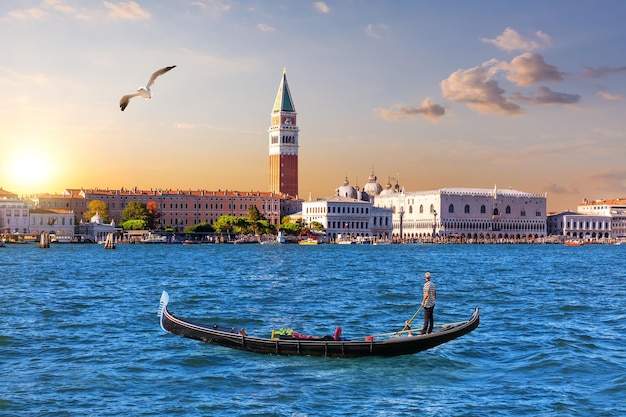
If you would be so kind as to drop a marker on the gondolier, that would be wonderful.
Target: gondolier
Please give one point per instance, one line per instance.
(428, 302)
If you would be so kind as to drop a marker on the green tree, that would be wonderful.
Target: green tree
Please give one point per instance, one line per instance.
(266, 228)
(134, 225)
(292, 229)
(135, 210)
(97, 207)
(317, 226)
(254, 214)
(225, 224)
(200, 228)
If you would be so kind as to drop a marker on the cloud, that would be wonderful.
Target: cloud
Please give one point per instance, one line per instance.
(48, 8)
(560, 189)
(126, 11)
(528, 69)
(601, 72)
(609, 96)
(373, 30)
(510, 40)
(546, 96)
(477, 88)
(213, 8)
(321, 7)
(427, 110)
(610, 179)
(265, 28)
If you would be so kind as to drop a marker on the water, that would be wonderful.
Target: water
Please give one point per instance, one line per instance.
(80, 335)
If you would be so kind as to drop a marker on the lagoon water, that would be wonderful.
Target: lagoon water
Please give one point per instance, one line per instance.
(79, 334)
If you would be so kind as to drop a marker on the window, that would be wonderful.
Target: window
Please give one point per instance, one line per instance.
(451, 208)
(467, 208)
(483, 209)
(508, 210)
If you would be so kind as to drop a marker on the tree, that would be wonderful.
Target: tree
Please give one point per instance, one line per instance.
(97, 207)
(135, 210)
(200, 228)
(153, 214)
(254, 214)
(317, 226)
(134, 225)
(225, 224)
(289, 228)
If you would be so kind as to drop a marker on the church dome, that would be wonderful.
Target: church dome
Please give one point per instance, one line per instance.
(372, 187)
(346, 190)
(97, 218)
(388, 190)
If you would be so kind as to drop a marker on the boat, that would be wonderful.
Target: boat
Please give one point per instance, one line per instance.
(294, 344)
(154, 238)
(308, 238)
(574, 243)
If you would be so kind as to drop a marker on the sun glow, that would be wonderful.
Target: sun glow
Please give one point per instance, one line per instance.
(29, 171)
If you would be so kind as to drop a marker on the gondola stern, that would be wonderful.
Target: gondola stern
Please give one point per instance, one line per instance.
(165, 299)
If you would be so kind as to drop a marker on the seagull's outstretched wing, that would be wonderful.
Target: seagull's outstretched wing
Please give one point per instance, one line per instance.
(157, 73)
(126, 99)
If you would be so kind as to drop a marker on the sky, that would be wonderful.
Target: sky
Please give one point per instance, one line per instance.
(523, 95)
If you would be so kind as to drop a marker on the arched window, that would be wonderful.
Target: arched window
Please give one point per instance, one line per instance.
(467, 208)
(410, 209)
(421, 208)
(496, 212)
(508, 210)
(483, 209)
(451, 208)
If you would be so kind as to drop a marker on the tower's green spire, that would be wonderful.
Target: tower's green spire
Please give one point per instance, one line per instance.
(283, 98)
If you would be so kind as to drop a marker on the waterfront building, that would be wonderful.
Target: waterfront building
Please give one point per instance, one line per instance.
(464, 213)
(95, 230)
(177, 209)
(283, 143)
(555, 223)
(14, 216)
(56, 222)
(349, 214)
(614, 209)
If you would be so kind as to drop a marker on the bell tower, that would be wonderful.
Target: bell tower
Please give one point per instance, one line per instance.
(283, 143)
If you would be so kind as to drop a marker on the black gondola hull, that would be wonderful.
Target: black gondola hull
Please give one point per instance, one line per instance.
(234, 338)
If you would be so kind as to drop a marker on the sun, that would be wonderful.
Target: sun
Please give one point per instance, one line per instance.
(28, 171)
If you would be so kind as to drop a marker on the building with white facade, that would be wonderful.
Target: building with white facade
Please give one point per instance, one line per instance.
(465, 213)
(54, 222)
(613, 209)
(13, 214)
(96, 230)
(348, 215)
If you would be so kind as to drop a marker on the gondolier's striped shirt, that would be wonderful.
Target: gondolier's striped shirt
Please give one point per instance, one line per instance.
(430, 287)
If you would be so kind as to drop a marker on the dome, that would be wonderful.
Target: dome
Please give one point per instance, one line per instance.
(372, 187)
(346, 190)
(388, 190)
(97, 218)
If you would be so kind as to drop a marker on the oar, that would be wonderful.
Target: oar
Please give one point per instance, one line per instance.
(408, 323)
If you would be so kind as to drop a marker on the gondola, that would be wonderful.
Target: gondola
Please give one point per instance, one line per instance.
(390, 344)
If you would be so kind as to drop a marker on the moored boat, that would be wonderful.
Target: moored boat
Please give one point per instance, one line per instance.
(389, 344)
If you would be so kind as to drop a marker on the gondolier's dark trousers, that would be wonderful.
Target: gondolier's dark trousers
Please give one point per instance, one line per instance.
(429, 320)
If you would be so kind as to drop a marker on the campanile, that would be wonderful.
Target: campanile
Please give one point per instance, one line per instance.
(283, 143)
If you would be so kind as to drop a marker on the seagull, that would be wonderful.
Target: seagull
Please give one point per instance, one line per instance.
(144, 91)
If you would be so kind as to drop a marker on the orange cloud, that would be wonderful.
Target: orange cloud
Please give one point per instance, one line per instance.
(510, 40)
(477, 88)
(528, 69)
